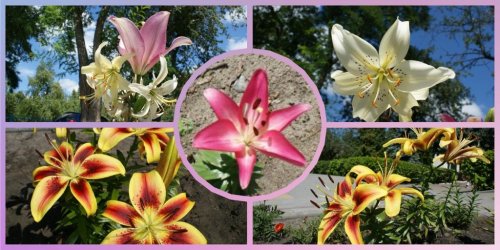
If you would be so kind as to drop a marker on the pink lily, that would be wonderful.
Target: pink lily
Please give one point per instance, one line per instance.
(250, 126)
(146, 45)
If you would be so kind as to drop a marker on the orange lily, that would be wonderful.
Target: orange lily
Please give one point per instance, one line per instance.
(423, 142)
(151, 220)
(348, 204)
(458, 149)
(73, 169)
(153, 140)
(389, 182)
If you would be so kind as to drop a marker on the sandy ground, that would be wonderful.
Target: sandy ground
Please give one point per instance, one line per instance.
(222, 221)
(286, 87)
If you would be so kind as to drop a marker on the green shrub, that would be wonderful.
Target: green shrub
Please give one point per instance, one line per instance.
(480, 174)
(416, 172)
(263, 223)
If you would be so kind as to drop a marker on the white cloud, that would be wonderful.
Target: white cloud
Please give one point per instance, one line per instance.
(233, 44)
(68, 85)
(235, 18)
(26, 72)
(472, 109)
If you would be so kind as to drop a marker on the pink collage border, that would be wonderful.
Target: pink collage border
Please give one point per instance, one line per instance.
(249, 4)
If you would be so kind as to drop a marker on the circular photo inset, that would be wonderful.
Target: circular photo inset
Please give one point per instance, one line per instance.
(250, 124)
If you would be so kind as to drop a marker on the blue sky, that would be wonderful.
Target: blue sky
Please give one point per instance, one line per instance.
(237, 40)
(480, 82)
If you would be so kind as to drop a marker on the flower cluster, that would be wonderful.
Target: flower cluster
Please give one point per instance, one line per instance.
(142, 48)
(457, 148)
(151, 219)
(354, 195)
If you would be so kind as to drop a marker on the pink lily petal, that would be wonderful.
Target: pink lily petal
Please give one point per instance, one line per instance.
(254, 103)
(154, 34)
(246, 161)
(274, 144)
(131, 41)
(177, 42)
(280, 119)
(223, 106)
(220, 136)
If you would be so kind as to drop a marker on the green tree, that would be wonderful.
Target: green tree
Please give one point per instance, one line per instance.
(44, 100)
(19, 30)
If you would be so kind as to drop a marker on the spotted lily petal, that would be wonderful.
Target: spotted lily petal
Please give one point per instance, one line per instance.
(176, 208)
(363, 174)
(82, 191)
(395, 44)
(120, 212)
(328, 223)
(254, 103)
(351, 226)
(224, 107)
(220, 135)
(182, 233)
(46, 193)
(41, 172)
(110, 137)
(152, 147)
(146, 190)
(419, 75)
(121, 236)
(365, 194)
(55, 157)
(274, 144)
(394, 180)
(280, 119)
(246, 162)
(83, 152)
(356, 55)
(100, 166)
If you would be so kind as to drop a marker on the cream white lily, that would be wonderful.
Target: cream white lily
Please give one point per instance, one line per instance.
(382, 80)
(105, 78)
(155, 93)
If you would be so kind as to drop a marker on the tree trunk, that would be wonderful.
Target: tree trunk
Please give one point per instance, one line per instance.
(90, 109)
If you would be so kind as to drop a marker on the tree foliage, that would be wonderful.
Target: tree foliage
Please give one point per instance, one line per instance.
(45, 100)
(303, 34)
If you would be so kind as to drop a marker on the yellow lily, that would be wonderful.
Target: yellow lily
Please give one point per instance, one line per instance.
(151, 219)
(68, 168)
(458, 149)
(153, 140)
(348, 203)
(387, 180)
(423, 142)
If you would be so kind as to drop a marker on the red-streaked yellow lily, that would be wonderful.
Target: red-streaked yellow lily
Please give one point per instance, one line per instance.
(348, 204)
(458, 149)
(153, 140)
(423, 142)
(388, 181)
(151, 220)
(66, 167)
